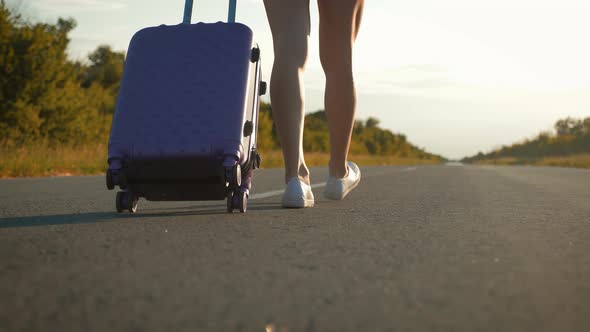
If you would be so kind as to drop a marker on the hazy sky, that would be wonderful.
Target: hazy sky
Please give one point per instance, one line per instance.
(455, 76)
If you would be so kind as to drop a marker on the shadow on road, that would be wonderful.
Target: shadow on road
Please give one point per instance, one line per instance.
(96, 217)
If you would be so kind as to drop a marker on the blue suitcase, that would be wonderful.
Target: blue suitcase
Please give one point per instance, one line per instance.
(186, 117)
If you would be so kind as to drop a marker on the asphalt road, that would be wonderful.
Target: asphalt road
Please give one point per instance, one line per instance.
(427, 248)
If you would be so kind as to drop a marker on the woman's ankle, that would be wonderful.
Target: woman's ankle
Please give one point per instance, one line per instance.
(303, 175)
(338, 170)
(304, 179)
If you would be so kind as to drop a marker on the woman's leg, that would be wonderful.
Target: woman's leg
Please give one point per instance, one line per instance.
(289, 23)
(339, 25)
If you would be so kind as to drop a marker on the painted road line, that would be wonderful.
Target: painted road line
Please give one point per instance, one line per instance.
(454, 164)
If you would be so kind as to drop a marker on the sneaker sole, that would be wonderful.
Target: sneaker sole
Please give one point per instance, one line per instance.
(339, 197)
(298, 204)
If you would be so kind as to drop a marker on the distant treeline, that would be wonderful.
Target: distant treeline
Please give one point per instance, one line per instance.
(570, 137)
(46, 97)
(367, 137)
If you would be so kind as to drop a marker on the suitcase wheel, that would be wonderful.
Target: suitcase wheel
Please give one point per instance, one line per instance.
(255, 56)
(241, 201)
(122, 180)
(230, 201)
(237, 200)
(126, 200)
(236, 180)
(110, 184)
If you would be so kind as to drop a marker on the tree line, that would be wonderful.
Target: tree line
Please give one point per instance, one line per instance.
(570, 136)
(367, 137)
(47, 97)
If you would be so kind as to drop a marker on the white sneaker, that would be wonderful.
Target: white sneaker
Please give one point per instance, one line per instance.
(337, 189)
(298, 194)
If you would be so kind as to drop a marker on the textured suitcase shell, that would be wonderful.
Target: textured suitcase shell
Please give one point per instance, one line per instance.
(185, 96)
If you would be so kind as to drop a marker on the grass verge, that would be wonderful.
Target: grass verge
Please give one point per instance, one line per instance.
(44, 160)
(577, 161)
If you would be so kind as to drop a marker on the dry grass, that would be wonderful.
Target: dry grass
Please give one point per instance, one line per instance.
(577, 160)
(43, 160)
(500, 161)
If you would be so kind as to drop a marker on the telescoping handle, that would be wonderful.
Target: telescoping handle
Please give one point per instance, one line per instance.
(188, 11)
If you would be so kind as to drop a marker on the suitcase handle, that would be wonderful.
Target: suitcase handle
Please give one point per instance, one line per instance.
(188, 11)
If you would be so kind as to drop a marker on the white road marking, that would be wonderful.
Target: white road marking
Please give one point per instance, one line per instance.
(313, 186)
(454, 163)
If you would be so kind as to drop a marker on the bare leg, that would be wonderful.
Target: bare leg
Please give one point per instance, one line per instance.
(339, 24)
(289, 23)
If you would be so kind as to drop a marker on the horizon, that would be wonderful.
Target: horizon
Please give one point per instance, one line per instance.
(459, 83)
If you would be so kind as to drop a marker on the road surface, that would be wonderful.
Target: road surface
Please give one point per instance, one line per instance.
(426, 248)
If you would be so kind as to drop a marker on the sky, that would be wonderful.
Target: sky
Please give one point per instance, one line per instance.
(455, 76)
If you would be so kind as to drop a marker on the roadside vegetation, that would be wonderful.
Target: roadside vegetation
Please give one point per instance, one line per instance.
(568, 146)
(55, 113)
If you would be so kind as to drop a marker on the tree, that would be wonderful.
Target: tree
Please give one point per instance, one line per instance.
(586, 124)
(267, 139)
(106, 68)
(371, 123)
(41, 95)
(569, 126)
